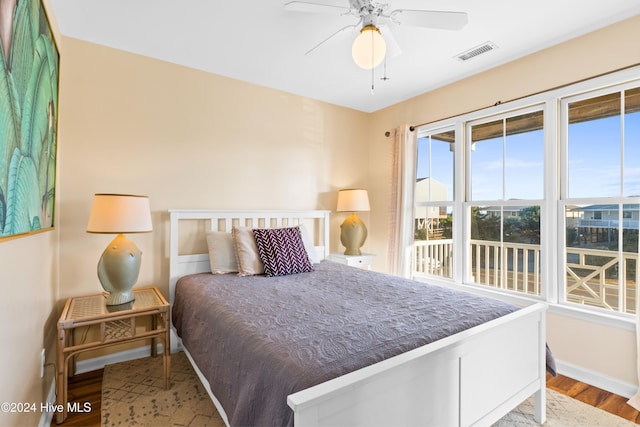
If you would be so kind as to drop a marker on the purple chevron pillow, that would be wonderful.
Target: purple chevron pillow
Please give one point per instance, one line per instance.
(282, 251)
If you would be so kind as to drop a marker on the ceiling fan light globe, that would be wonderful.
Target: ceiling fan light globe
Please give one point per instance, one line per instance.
(369, 48)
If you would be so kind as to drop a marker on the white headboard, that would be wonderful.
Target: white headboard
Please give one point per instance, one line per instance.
(316, 222)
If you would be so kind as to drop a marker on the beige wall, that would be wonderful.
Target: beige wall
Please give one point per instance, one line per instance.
(600, 52)
(188, 139)
(28, 270)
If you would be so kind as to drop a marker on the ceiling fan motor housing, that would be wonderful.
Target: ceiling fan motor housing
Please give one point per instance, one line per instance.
(368, 11)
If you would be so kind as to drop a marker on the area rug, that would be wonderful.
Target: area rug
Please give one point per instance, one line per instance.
(562, 411)
(133, 395)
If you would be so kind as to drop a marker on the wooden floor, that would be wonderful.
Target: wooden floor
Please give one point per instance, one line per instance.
(87, 388)
(594, 396)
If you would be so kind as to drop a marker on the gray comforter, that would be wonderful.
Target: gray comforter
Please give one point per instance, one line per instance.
(259, 339)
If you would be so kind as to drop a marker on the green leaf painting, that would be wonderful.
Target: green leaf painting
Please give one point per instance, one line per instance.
(28, 117)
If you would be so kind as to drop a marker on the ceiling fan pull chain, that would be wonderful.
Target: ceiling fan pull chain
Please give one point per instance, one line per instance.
(384, 78)
(372, 82)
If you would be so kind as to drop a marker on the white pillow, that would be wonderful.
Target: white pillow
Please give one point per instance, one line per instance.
(249, 262)
(308, 245)
(222, 254)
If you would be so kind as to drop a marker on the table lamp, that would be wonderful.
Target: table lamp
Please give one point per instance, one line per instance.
(119, 265)
(353, 232)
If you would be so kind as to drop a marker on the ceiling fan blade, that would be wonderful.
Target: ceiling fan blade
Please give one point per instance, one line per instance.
(303, 6)
(332, 36)
(393, 48)
(441, 20)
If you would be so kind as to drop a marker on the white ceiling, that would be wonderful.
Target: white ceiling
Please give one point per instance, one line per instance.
(259, 42)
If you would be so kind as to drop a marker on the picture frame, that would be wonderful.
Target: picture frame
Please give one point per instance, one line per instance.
(29, 78)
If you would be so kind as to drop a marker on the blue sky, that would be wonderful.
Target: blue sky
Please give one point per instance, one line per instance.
(594, 162)
(595, 153)
(442, 164)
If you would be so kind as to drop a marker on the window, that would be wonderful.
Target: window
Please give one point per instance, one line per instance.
(602, 185)
(507, 177)
(434, 191)
(548, 204)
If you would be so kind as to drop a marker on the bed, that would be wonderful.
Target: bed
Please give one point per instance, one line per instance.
(300, 350)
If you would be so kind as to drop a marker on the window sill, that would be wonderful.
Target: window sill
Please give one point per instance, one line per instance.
(619, 321)
(613, 320)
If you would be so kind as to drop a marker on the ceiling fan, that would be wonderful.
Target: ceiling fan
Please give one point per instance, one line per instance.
(375, 39)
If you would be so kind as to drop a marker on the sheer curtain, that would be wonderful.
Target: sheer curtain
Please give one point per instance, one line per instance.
(403, 179)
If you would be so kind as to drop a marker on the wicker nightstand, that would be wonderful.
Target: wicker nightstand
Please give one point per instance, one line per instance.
(117, 325)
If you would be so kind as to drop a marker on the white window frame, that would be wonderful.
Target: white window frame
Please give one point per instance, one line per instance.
(564, 199)
(502, 115)
(552, 213)
(430, 131)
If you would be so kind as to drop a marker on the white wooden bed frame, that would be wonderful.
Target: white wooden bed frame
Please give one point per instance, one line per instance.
(472, 378)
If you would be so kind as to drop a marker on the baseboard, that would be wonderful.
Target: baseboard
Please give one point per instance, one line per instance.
(47, 416)
(605, 382)
(176, 342)
(100, 362)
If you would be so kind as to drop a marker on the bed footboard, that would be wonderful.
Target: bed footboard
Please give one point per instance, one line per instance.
(472, 378)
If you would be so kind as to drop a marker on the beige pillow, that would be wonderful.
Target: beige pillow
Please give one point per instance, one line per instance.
(222, 253)
(308, 245)
(249, 262)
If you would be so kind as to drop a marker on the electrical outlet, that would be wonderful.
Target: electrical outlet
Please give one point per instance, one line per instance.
(42, 359)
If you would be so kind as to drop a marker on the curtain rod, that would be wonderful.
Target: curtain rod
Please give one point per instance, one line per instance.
(413, 127)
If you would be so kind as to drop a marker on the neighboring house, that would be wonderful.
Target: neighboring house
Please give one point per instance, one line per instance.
(427, 218)
(598, 223)
(607, 216)
(429, 189)
(507, 211)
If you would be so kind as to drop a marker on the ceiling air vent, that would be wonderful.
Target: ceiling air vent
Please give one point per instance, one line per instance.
(478, 50)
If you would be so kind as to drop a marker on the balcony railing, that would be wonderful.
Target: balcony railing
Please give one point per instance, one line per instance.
(593, 276)
(434, 257)
(627, 224)
(522, 260)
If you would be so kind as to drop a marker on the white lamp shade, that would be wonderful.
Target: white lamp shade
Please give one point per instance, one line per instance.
(353, 200)
(369, 48)
(120, 213)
